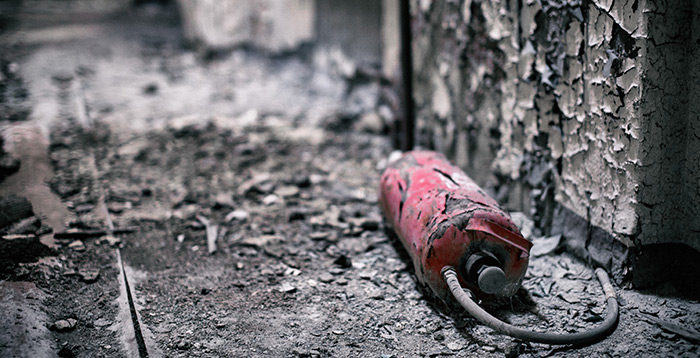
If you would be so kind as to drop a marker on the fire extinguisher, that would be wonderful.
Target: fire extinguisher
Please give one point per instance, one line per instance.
(462, 244)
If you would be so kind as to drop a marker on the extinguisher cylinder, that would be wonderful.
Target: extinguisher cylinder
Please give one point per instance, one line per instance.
(443, 218)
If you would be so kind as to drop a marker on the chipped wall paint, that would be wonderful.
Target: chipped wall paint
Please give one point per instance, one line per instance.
(569, 109)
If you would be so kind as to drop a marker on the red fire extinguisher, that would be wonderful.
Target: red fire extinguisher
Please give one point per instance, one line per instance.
(459, 239)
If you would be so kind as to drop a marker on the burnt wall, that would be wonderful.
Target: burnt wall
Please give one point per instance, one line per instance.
(579, 113)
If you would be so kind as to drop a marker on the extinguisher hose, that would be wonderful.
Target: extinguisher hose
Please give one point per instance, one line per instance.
(579, 338)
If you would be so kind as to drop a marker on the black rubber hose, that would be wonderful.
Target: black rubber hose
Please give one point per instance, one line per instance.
(579, 338)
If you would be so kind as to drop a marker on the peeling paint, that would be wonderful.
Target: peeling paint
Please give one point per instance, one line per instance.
(594, 89)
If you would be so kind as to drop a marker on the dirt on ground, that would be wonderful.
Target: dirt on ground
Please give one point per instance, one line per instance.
(227, 206)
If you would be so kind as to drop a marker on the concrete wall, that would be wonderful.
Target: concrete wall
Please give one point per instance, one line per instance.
(364, 31)
(353, 26)
(580, 113)
(267, 24)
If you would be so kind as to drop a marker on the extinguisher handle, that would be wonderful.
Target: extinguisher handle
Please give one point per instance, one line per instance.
(464, 297)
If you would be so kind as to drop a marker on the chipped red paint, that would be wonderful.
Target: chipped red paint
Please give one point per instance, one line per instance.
(441, 217)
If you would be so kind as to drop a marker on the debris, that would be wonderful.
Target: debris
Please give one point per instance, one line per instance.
(569, 297)
(163, 328)
(689, 334)
(13, 209)
(341, 281)
(336, 271)
(275, 252)
(544, 245)
(238, 214)
(224, 200)
(375, 294)
(292, 272)
(77, 245)
(515, 349)
(271, 199)
(590, 316)
(85, 234)
(25, 226)
(150, 89)
(212, 233)
(316, 333)
(102, 323)
(297, 215)
(457, 346)
(524, 223)
(370, 122)
(183, 345)
(261, 241)
(287, 288)
(326, 277)
(119, 207)
(181, 238)
(89, 275)
(66, 352)
(18, 236)
(367, 275)
(364, 223)
(327, 236)
(287, 191)
(112, 240)
(343, 261)
(64, 325)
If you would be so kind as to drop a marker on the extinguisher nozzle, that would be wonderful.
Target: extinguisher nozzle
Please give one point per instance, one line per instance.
(492, 280)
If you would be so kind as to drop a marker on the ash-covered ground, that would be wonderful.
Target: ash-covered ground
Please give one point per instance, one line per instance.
(242, 193)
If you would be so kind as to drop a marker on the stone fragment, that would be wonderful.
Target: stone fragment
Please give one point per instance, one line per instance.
(77, 245)
(119, 207)
(367, 275)
(112, 240)
(183, 345)
(261, 241)
(287, 191)
(238, 215)
(65, 325)
(89, 275)
(224, 200)
(102, 322)
(286, 287)
(455, 346)
(326, 277)
(271, 199)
